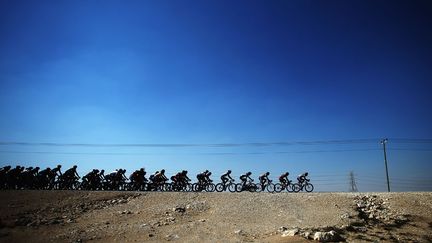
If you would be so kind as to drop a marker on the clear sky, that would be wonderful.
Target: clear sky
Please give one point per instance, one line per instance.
(211, 72)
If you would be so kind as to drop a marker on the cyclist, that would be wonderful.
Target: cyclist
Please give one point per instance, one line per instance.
(302, 178)
(92, 178)
(264, 179)
(102, 175)
(202, 177)
(184, 179)
(283, 179)
(207, 177)
(226, 177)
(44, 178)
(160, 177)
(71, 174)
(56, 172)
(13, 176)
(245, 178)
(137, 178)
(3, 176)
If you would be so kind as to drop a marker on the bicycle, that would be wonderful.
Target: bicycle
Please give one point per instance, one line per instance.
(269, 186)
(284, 186)
(206, 186)
(230, 185)
(248, 186)
(308, 187)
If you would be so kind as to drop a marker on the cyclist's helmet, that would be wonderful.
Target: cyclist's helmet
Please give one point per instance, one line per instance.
(229, 171)
(142, 169)
(306, 174)
(37, 168)
(162, 171)
(267, 173)
(184, 172)
(58, 166)
(209, 174)
(249, 173)
(75, 166)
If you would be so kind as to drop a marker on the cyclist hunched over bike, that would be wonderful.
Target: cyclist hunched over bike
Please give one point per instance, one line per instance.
(245, 180)
(264, 180)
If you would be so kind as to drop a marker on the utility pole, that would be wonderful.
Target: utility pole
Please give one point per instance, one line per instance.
(384, 142)
(353, 186)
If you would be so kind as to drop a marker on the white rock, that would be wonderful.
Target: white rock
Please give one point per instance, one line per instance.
(291, 232)
(326, 236)
(238, 232)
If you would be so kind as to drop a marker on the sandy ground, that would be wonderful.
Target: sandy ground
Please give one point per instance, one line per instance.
(81, 216)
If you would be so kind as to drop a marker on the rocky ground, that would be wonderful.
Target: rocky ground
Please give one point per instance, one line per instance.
(80, 216)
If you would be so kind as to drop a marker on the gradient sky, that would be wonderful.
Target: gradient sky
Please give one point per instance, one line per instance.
(220, 72)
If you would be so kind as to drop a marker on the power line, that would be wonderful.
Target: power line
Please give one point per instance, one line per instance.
(249, 144)
(198, 153)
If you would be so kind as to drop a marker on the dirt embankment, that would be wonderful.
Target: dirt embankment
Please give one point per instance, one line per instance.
(80, 216)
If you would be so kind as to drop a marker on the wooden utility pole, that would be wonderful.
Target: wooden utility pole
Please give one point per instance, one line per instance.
(384, 142)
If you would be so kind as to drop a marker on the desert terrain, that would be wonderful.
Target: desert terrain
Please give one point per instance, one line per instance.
(103, 216)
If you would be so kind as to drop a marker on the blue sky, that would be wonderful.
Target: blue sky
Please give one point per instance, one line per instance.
(220, 72)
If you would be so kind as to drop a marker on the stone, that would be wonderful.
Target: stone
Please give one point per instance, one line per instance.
(170, 219)
(179, 209)
(330, 236)
(282, 229)
(306, 234)
(345, 216)
(291, 232)
(238, 232)
(171, 237)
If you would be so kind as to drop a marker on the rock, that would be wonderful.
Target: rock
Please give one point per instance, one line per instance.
(202, 220)
(345, 216)
(170, 219)
(306, 234)
(282, 229)
(330, 236)
(151, 235)
(179, 209)
(291, 232)
(171, 237)
(238, 232)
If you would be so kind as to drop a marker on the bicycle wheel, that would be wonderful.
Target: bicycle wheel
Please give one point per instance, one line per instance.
(232, 187)
(296, 187)
(308, 187)
(256, 188)
(239, 187)
(290, 188)
(219, 187)
(270, 188)
(210, 187)
(278, 187)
